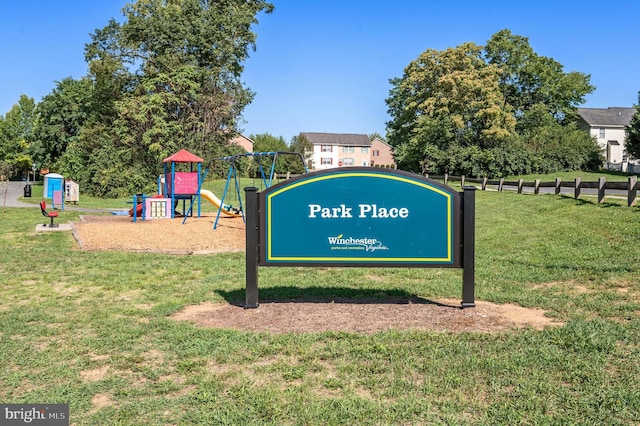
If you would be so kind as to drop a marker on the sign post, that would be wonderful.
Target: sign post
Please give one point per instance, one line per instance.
(360, 217)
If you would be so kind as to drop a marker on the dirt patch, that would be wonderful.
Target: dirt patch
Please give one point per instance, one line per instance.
(197, 236)
(365, 317)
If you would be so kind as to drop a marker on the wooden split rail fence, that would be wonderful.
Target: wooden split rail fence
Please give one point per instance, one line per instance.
(630, 186)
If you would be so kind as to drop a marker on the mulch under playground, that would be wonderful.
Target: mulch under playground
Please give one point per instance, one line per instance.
(197, 237)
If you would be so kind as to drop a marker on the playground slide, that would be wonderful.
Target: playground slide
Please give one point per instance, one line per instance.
(210, 197)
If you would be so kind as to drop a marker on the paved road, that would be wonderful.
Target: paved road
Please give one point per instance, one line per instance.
(10, 192)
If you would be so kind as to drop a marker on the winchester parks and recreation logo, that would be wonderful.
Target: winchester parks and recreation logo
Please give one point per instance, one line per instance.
(341, 242)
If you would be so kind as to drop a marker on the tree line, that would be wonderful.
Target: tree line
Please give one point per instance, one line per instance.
(493, 110)
(169, 77)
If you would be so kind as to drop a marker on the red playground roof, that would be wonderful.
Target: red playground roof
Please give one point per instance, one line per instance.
(183, 156)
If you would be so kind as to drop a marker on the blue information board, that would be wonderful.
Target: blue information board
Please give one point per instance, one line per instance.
(360, 216)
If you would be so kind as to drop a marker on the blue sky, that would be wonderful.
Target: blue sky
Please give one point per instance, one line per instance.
(324, 66)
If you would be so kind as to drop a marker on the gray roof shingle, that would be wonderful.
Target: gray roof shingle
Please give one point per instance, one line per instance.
(607, 117)
(347, 139)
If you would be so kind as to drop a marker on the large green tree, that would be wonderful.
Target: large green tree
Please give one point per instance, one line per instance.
(188, 57)
(477, 111)
(16, 137)
(167, 77)
(61, 117)
(532, 84)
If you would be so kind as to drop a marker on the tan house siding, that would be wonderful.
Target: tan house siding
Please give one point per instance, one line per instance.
(382, 154)
(242, 141)
(331, 150)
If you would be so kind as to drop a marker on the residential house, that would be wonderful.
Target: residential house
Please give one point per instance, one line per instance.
(242, 141)
(339, 149)
(332, 150)
(608, 126)
(382, 154)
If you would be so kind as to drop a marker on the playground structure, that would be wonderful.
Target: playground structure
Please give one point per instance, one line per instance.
(183, 185)
(266, 179)
(176, 185)
(173, 186)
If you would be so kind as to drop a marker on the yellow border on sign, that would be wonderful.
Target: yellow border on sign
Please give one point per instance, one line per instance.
(449, 257)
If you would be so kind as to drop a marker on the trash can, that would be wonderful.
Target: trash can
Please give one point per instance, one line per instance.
(27, 191)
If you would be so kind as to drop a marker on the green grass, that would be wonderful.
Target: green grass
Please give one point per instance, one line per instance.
(87, 327)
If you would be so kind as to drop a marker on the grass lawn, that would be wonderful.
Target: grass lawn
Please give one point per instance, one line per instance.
(91, 329)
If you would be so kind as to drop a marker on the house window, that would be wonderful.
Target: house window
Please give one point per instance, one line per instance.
(348, 161)
(601, 133)
(348, 149)
(326, 148)
(364, 150)
(376, 153)
(365, 163)
(325, 160)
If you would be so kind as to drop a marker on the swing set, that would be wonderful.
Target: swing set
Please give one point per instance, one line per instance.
(266, 174)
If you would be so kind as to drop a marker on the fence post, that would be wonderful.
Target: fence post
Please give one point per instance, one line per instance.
(484, 183)
(446, 178)
(601, 181)
(576, 192)
(558, 184)
(500, 184)
(536, 186)
(462, 181)
(633, 188)
(520, 183)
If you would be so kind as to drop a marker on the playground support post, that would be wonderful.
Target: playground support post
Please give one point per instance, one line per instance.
(252, 248)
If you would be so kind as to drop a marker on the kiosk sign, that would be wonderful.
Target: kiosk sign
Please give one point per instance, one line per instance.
(360, 216)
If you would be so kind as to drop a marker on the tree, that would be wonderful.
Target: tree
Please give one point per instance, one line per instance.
(301, 145)
(188, 57)
(469, 109)
(453, 93)
(531, 83)
(632, 142)
(16, 136)
(266, 142)
(61, 116)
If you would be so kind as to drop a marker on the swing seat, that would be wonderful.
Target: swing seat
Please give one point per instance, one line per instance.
(52, 215)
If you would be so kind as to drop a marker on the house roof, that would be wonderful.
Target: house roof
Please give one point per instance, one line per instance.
(378, 140)
(607, 117)
(183, 156)
(348, 139)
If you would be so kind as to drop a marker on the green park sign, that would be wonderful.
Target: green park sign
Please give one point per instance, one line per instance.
(360, 217)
